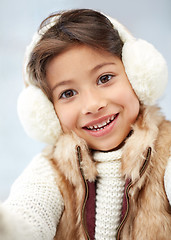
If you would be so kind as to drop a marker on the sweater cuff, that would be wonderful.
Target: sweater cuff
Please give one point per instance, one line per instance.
(12, 227)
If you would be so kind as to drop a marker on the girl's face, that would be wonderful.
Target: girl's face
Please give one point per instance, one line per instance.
(92, 96)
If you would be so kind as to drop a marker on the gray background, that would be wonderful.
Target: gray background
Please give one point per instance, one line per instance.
(19, 19)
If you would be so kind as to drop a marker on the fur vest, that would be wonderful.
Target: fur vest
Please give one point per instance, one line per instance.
(146, 210)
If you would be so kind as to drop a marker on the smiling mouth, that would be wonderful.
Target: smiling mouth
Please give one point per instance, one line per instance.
(102, 125)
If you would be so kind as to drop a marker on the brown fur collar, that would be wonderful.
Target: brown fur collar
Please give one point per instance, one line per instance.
(65, 152)
(149, 210)
(145, 132)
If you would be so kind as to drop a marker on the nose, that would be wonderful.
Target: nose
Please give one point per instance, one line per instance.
(93, 102)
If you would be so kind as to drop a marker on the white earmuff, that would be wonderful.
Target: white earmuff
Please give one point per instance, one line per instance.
(38, 116)
(144, 65)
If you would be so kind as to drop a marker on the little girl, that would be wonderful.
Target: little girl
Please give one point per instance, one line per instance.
(91, 89)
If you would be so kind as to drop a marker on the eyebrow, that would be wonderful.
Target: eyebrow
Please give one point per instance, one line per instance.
(66, 82)
(63, 83)
(102, 65)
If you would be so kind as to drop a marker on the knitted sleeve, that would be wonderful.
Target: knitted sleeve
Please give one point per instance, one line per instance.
(167, 180)
(34, 206)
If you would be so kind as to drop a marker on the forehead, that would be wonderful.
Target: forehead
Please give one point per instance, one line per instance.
(83, 55)
(77, 61)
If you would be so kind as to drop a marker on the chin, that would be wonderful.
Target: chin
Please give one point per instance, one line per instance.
(104, 148)
(108, 147)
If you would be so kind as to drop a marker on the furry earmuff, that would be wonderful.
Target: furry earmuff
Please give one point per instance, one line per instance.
(144, 65)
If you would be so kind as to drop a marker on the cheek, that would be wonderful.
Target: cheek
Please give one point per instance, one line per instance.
(133, 106)
(66, 118)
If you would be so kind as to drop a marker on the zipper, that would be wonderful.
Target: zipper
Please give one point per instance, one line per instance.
(130, 184)
(144, 166)
(127, 211)
(86, 194)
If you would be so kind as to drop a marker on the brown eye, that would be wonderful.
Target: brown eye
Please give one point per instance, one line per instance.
(68, 94)
(104, 79)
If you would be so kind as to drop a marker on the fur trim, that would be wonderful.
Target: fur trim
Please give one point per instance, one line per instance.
(69, 158)
(145, 130)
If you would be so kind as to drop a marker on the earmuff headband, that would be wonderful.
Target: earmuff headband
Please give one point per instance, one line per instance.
(144, 65)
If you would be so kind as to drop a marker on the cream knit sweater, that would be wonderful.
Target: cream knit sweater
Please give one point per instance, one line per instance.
(110, 188)
(35, 204)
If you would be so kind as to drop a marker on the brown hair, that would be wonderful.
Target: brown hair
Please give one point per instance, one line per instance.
(81, 26)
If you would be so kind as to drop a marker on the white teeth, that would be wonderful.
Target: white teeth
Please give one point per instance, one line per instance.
(108, 121)
(112, 118)
(102, 125)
